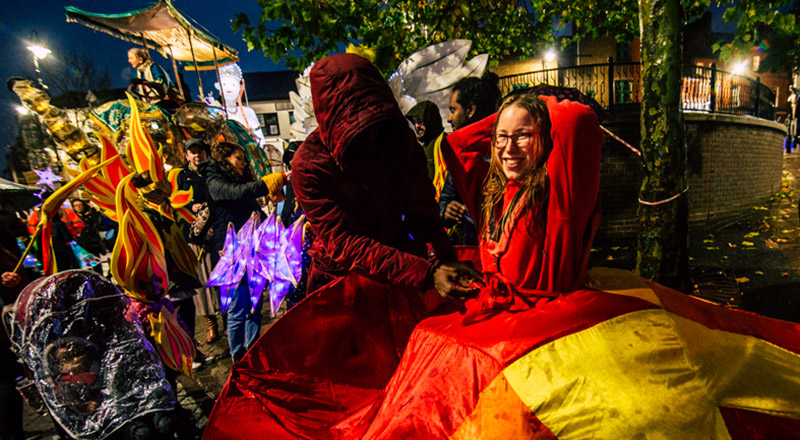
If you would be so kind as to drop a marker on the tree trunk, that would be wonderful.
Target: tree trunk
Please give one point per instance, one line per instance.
(662, 253)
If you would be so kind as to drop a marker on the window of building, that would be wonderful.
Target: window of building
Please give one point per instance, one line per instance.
(623, 52)
(291, 117)
(622, 91)
(269, 124)
(756, 63)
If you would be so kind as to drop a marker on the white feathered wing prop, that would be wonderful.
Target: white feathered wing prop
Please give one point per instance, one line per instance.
(427, 75)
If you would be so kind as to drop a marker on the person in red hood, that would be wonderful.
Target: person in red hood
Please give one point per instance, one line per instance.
(362, 181)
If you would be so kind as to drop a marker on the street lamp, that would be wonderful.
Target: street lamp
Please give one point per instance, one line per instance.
(39, 53)
(739, 68)
(548, 58)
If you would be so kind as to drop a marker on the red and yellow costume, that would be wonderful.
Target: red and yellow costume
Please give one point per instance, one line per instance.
(547, 357)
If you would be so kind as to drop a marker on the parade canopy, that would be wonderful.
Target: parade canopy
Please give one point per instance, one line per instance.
(161, 27)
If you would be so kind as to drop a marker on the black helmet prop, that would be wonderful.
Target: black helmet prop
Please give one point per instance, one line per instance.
(87, 354)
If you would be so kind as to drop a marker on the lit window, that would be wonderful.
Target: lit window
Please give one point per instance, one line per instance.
(756, 62)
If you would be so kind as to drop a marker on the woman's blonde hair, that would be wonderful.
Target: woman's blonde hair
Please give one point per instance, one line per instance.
(535, 187)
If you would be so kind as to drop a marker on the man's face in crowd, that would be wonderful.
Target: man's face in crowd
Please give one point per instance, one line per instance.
(419, 126)
(134, 60)
(459, 116)
(195, 155)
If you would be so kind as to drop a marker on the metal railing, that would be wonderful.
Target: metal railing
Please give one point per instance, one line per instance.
(612, 84)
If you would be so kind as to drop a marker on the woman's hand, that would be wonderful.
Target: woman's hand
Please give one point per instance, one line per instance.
(453, 278)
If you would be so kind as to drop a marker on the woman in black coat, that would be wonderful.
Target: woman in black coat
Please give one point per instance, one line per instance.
(233, 192)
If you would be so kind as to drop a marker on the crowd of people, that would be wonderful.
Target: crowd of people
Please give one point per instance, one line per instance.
(427, 250)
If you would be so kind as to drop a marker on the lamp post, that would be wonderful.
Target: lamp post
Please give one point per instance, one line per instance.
(39, 53)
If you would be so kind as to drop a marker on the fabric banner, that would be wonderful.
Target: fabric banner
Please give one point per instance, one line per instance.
(623, 359)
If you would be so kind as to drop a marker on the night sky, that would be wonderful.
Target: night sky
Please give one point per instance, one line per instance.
(18, 18)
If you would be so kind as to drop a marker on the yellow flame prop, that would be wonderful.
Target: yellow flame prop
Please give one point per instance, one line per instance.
(137, 262)
(142, 152)
(49, 209)
(102, 188)
(172, 342)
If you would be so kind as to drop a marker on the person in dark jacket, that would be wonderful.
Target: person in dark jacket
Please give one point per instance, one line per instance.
(471, 100)
(206, 301)
(233, 194)
(428, 123)
(362, 182)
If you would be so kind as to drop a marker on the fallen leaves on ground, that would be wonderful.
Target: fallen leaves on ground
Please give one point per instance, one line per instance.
(742, 280)
(747, 243)
(771, 244)
(751, 234)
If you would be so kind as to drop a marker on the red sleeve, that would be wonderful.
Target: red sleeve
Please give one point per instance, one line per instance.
(337, 233)
(574, 164)
(573, 209)
(467, 152)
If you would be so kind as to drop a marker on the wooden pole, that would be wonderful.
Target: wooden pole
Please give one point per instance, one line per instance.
(177, 77)
(219, 81)
(28, 249)
(194, 60)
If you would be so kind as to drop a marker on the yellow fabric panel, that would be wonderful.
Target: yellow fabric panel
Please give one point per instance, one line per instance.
(501, 415)
(653, 375)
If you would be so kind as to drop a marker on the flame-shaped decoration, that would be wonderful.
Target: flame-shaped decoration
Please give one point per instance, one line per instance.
(102, 188)
(142, 152)
(180, 199)
(180, 251)
(50, 208)
(137, 262)
(172, 342)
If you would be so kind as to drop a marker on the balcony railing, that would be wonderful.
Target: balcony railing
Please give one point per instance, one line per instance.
(613, 84)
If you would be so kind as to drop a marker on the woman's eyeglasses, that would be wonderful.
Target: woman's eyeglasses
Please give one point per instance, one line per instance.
(520, 139)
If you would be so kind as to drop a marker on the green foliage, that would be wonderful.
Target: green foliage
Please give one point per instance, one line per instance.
(304, 31)
(772, 26)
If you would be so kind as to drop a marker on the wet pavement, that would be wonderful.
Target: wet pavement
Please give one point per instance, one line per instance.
(752, 263)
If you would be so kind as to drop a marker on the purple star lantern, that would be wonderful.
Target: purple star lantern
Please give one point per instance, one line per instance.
(229, 270)
(268, 252)
(248, 237)
(278, 255)
(47, 177)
